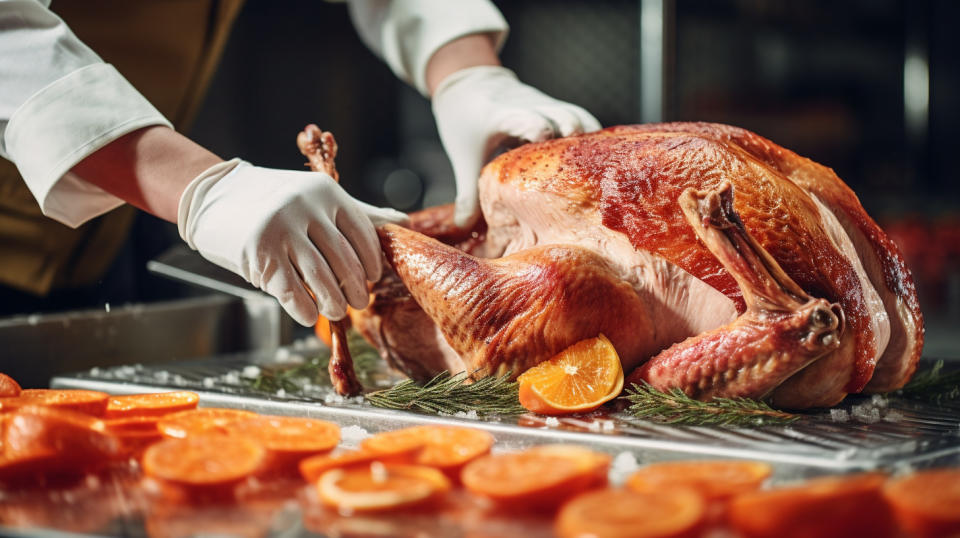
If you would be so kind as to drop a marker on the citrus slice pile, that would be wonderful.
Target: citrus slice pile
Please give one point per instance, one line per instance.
(538, 478)
(288, 440)
(835, 506)
(613, 513)
(204, 464)
(89, 402)
(714, 480)
(379, 487)
(579, 379)
(927, 503)
(152, 404)
(446, 448)
(201, 421)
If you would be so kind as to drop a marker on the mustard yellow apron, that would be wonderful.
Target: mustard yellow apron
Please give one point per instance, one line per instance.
(168, 49)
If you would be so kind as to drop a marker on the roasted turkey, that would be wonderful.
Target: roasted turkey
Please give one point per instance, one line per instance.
(715, 261)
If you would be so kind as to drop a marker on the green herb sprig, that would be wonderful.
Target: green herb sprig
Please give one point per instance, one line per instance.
(450, 394)
(933, 385)
(314, 369)
(675, 407)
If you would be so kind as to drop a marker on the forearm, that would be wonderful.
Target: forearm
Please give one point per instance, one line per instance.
(467, 51)
(147, 168)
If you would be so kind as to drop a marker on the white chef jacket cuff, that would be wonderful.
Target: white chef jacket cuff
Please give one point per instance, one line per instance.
(413, 34)
(63, 123)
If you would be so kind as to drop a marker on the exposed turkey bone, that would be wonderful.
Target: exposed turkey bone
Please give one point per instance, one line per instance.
(782, 330)
(320, 149)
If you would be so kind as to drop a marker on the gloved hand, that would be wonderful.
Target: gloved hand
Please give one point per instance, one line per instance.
(286, 232)
(479, 109)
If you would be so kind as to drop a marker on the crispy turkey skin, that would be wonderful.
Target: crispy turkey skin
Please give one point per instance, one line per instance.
(790, 293)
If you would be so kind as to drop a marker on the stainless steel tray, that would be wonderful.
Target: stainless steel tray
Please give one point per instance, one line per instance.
(879, 432)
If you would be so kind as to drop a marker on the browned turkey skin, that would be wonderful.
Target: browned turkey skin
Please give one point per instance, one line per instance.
(787, 290)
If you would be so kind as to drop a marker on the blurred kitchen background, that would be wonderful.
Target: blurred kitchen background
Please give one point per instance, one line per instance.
(867, 87)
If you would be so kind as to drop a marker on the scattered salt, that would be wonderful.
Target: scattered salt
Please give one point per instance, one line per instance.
(623, 465)
(593, 426)
(353, 434)
(552, 422)
(607, 425)
(250, 372)
(281, 393)
(879, 400)
(33, 319)
(282, 354)
(106, 306)
(839, 415)
(332, 398)
(893, 415)
(865, 413)
(95, 371)
(471, 414)
(232, 377)
(208, 382)
(162, 376)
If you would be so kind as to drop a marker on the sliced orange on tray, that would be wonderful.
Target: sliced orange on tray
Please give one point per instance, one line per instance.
(287, 439)
(152, 404)
(201, 421)
(927, 503)
(537, 478)
(714, 480)
(380, 487)
(615, 513)
(579, 379)
(203, 463)
(89, 402)
(447, 448)
(311, 468)
(830, 507)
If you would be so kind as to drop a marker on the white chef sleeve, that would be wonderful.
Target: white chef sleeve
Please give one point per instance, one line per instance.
(58, 104)
(406, 33)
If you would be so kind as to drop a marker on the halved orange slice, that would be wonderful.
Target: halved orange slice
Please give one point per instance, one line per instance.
(671, 513)
(379, 487)
(579, 379)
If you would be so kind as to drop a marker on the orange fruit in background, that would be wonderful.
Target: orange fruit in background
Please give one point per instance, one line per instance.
(322, 330)
(829, 507)
(615, 513)
(714, 480)
(197, 421)
(447, 448)
(379, 487)
(927, 503)
(538, 478)
(579, 379)
(152, 404)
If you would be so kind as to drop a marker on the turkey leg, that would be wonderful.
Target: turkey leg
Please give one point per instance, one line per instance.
(782, 330)
(320, 149)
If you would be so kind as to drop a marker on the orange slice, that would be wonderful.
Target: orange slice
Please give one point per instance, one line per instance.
(311, 468)
(447, 448)
(927, 503)
(615, 513)
(380, 487)
(714, 480)
(537, 478)
(197, 421)
(287, 439)
(89, 402)
(830, 507)
(153, 404)
(79, 440)
(579, 379)
(203, 462)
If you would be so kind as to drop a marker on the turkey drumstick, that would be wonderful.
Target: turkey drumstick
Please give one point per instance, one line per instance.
(320, 149)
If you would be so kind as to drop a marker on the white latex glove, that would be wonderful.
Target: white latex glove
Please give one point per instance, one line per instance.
(286, 232)
(479, 109)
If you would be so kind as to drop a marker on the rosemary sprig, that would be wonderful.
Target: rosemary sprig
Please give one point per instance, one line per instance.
(314, 370)
(675, 407)
(449, 394)
(933, 385)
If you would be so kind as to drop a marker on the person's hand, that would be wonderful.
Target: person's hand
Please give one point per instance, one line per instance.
(481, 109)
(289, 233)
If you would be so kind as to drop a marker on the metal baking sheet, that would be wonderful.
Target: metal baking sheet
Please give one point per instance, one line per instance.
(862, 433)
